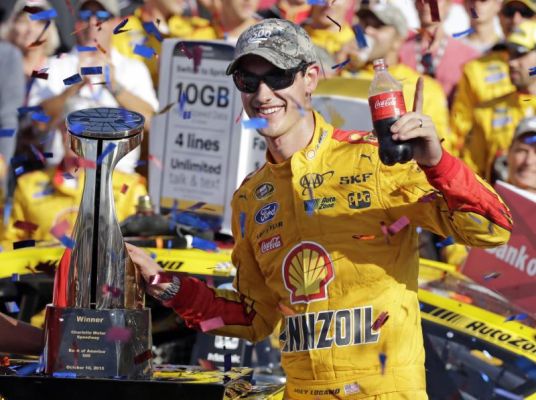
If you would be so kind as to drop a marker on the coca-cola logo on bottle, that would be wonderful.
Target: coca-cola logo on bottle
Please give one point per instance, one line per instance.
(270, 244)
(382, 103)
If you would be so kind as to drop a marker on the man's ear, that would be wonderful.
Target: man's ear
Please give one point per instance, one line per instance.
(312, 75)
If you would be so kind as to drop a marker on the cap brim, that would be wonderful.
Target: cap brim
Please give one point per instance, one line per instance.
(270, 55)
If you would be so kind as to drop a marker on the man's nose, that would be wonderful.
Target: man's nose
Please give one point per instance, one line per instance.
(264, 92)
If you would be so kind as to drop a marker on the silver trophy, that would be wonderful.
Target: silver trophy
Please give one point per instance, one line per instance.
(99, 327)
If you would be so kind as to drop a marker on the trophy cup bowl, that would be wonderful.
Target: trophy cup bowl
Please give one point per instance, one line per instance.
(99, 327)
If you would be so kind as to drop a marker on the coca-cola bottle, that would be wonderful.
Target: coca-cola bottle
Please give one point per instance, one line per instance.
(386, 103)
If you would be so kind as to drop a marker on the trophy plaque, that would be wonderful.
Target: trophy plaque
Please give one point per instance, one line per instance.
(101, 327)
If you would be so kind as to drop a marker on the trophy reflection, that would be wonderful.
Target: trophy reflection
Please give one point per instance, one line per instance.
(97, 325)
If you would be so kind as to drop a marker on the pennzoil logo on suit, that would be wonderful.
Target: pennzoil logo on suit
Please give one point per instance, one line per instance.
(307, 272)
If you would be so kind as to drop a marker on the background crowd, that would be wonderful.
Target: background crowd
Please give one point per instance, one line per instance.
(478, 58)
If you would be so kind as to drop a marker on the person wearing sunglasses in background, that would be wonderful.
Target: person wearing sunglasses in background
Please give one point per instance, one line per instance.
(432, 51)
(487, 78)
(313, 256)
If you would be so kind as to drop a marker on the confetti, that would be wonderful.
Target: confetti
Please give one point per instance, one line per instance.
(72, 80)
(25, 110)
(100, 48)
(118, 334)
(82, 49)
(46, 192)
(255, 123)
(25, 226)
(124, 188)
(40, 117)
(110, 148)
(19, 170)
(203, 244)
(211, 324)
(187, 115)
(398, 225)
(146, 355)
(44, 15)
(60, 228)
(485, 378)
(197, 206)
(41, 74)
(151, 29)
(206, 365)
(335, 22)
(197, 56)
(227, 362)
(144, 51)
(12, 307)
(21, 244)
(516, 317)
(76, 128)
(69, 375)
(340, 65)
(316, 2)
(91, 70)
(530, 140)
(15, 278)
(360, 36)
(507, 395)
(113, 291)
(462, 34)
(473, 13)
(532, 71)
(380, 321)
(383, 360)
(118, 30)
(364, 237)
(37, 153)
(155, 161)
(185, 51)
(492, 275)
(7, 132)
(67, 242)
(445, 242)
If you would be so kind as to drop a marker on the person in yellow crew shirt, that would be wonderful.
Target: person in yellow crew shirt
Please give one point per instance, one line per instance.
(166, 15)
(387, 27)
(494, 122)
(487, 78)
(48, 197)
(323, 32)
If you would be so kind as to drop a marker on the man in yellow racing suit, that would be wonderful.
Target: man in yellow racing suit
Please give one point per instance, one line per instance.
(325, 234)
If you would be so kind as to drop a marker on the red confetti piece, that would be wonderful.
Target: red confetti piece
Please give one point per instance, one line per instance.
(124, 188)
(380, 321)
(60, 228)
(197, 56)
(142, 357)
(85, 163)
(25, 226)
(398, 225)
(206, 365)
(364, 237)
(434, 10)
(156, 161)
(113, 291)
(118, 334)
(41, 74)
(211, 324)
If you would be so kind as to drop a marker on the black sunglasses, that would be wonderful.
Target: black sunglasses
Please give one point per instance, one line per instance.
(276, 79)
(101, 15)
(510, 10)
(427, 62)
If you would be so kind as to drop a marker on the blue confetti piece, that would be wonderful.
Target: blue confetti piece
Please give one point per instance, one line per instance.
(12, 307)
(7, 132)
(383, 359)
(47, 192)
(40, 117)
(117, 29)
(203, 244)
(485, 378)
(255, 123)
(48, 154)
(144, 51)
(516, 317)
(19, 170)
(182, 101)
(316, 2)
(151, 29)
(360, 36)
(107, 78)
(91, 70)
(242, 224)
(72, 80)
(81, 49)
(507, 395)
(532, 71)
(107, 150)
(44, 15)
(27, 369)
(153, 255)
(227, 362)
(140, 163)
(25, 110)
(67, 242)
(15, 278)
(76, 128)
(69, 375)
(187, 115)
(462, 34)
(169, 244)
(340, 65)
(530, 140)
(309, 206)
(445, 242)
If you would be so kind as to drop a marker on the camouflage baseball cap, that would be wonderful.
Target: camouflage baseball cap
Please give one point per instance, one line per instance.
(281, 42)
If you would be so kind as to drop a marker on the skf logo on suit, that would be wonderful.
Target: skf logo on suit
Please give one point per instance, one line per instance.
(307, 271)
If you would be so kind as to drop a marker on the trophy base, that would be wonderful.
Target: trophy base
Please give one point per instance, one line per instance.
(108, 343)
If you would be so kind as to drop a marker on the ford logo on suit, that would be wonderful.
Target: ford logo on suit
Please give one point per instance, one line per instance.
(266, 213)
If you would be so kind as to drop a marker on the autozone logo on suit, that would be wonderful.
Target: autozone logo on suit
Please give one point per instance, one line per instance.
(266, 213)
(270, 244)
